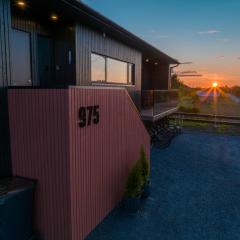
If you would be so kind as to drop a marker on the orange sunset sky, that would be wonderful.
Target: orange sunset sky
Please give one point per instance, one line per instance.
(204, 32)
(224, 71)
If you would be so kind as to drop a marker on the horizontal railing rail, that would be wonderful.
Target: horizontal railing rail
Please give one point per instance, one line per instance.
(209, 115)
(207, 118)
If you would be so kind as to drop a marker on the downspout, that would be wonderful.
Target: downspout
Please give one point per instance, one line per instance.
(171, 72)
(171, 68)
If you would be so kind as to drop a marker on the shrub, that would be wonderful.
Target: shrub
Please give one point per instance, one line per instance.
(145, 164)
(188, 109)
(138, 176)
(195, 110)
(134, 181)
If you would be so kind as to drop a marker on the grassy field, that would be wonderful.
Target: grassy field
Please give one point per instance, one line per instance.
(210, 128)
(225, 106)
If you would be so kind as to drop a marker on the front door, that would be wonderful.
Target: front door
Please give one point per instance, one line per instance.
(45, 61)
(20, 58)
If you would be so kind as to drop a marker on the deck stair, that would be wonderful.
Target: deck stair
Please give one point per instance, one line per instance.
(162, 133)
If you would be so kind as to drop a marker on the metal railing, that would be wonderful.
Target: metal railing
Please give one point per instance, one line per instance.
(155, 102)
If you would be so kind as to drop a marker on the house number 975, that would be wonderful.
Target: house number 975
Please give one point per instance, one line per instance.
(88, 116)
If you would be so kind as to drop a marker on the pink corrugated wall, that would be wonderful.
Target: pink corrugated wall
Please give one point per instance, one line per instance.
(39, 148)
(81, 171)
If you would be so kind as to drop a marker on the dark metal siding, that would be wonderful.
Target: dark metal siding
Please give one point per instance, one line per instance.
(155, 77)
(88, 40)
(64, 40)
(4, 42)
(81, 172)
(5, 166)
(161, 77)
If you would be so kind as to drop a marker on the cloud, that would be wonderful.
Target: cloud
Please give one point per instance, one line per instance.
(209, 32)
(221, 56)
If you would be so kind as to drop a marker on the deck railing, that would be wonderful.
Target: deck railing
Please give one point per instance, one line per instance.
(155, 102)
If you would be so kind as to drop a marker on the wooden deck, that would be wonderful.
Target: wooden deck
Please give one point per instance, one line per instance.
(153, 115)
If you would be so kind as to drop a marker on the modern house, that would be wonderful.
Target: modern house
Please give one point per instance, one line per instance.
(47, 48)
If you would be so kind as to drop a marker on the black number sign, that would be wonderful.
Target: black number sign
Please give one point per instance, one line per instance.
(88, 115)
(96, 114)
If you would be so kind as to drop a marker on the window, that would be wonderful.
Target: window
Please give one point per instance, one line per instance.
(109, 70)
(98, 68)
(117, 71)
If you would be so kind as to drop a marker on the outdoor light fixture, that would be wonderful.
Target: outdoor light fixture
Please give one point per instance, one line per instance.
(155, 63)
(21, 4)
(147, 60)
(54, 17)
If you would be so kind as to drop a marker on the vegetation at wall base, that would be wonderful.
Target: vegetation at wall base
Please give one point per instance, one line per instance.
(145, 165)
(134, 181)
(138, 177)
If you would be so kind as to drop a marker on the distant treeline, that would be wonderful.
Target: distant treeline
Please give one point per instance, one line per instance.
(178, 84)
(233, 90)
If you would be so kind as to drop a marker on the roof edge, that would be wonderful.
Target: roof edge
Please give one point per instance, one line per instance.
(82, 7)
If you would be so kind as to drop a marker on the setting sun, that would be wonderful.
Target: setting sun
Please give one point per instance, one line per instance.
(215, 84)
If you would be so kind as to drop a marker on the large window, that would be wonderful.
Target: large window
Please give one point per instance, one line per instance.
(108, 70)
(116, 71)
(98, 68)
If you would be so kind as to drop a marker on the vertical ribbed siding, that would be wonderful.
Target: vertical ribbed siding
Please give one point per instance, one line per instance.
(88, 40)
(39, 145)
(102, 155)
(5, 77)
(4, 43)
(81, 171)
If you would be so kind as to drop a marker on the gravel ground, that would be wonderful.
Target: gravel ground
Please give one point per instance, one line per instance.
(195, 194)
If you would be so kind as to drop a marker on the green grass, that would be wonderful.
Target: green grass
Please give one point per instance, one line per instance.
(210, 127)
(195, 124)
(192, 124)
(188, 102)
(224, 106)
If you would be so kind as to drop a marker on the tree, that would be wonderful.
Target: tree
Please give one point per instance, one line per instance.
(176, 83)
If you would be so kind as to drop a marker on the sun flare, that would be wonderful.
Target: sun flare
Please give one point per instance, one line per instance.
(215, 84)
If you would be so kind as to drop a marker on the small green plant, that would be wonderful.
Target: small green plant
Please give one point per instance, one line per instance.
(138, 177)
(134, 181)
(145, 164)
